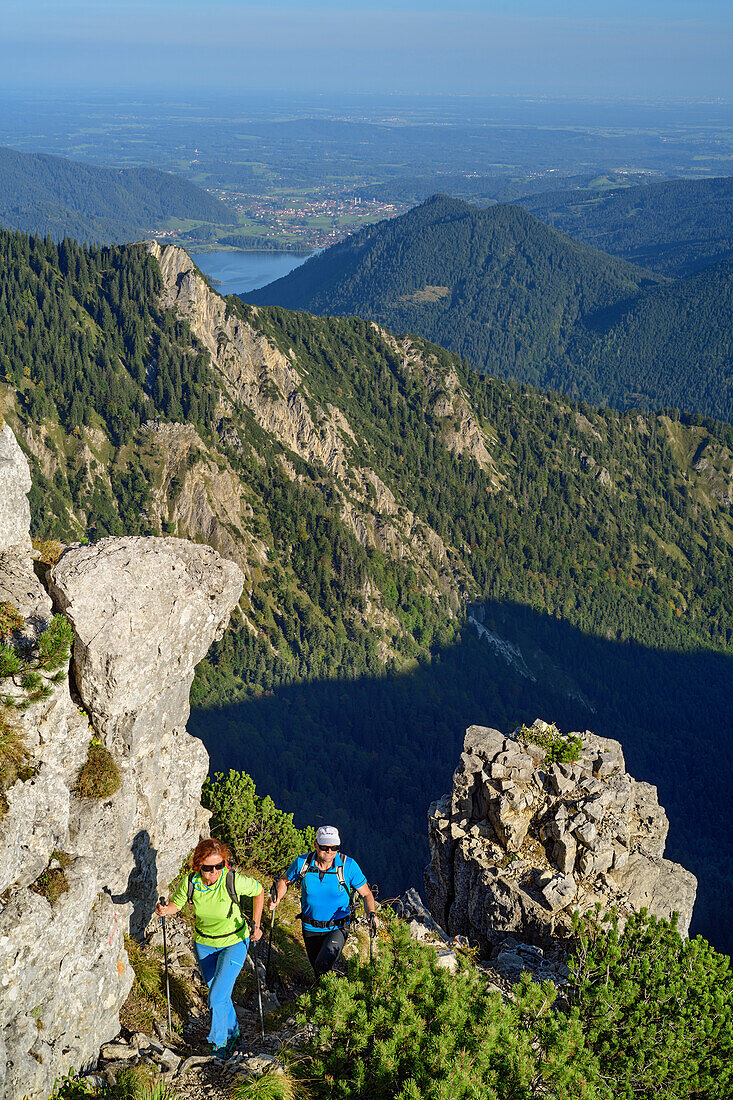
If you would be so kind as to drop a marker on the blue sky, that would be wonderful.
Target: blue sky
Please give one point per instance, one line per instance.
(652, 49)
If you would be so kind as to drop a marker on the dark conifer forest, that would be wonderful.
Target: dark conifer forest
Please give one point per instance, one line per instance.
(674, 227)
(61, 198)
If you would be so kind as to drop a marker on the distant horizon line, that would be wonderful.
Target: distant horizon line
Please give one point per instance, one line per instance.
(127, 94)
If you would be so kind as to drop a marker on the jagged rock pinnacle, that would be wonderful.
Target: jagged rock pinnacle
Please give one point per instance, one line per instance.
(521, 843)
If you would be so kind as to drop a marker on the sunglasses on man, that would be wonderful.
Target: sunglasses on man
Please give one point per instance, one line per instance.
(328, 847)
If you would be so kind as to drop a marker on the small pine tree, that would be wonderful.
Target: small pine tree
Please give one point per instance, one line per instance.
(258, 833)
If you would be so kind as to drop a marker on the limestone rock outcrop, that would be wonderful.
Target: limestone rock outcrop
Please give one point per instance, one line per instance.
(15, 484)
(521, 843)
(144, 611)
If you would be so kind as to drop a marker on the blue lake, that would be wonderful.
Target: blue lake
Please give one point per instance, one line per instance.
(238, 272)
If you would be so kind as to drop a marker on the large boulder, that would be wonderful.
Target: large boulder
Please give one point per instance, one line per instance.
(521, 843)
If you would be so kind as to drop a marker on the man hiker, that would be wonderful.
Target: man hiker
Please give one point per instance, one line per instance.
(327, 882)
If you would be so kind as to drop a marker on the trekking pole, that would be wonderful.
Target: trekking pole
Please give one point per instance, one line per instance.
(162, 901)
(372, 926)
(273, 897)
(370, 1004)
(256, 961)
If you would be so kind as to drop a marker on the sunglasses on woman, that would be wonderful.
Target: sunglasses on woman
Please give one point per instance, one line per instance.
(212, 866)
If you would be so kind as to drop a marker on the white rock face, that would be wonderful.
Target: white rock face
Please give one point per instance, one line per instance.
(144, 612)
(15, 483)
(520, 844)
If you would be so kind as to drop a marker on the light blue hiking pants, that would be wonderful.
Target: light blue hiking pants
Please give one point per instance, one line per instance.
(220, 967)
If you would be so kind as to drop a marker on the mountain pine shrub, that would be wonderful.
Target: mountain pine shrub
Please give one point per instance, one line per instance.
(34, 666)
(402, 1028)
(561, 748)
(258, 833)
(54, 644)
(656, 1009)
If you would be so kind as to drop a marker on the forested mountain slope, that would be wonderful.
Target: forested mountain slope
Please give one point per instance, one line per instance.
(495, 284)
(674, 227)
(378, 493)
(681, 332)
(519, 300)
(65, 198)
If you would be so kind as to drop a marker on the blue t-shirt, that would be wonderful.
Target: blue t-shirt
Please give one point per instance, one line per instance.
(322, 897)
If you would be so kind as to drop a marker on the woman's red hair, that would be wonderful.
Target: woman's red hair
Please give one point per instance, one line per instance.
(207, 848)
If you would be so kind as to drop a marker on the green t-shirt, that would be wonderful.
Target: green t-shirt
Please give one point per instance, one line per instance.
(219, 923)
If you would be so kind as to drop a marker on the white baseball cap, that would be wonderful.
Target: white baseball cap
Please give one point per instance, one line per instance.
(327, 836)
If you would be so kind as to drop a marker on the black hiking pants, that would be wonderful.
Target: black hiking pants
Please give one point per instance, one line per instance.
(324, 948)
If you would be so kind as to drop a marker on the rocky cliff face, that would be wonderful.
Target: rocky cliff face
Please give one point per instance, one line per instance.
(257, 375)
(521, 843)
(15, 483)
(144, 612)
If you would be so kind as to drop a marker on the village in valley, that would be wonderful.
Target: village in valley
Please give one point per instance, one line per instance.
(307, 222)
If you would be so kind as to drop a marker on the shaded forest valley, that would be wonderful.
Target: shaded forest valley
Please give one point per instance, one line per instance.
(372, 752)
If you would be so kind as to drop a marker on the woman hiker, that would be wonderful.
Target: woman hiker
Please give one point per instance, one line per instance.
(221, 935)
(327, 881)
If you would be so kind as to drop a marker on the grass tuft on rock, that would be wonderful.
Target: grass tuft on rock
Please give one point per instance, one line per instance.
(11, 620)
(99, 776)
(13, 754)
(50, 550)
(52, 883)
(272, 1085)
(146, 1001)
(142, 1083)
(132, 1083)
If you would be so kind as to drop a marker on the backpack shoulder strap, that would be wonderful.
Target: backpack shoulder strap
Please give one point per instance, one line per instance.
(190, 887)
(232, 890)
(351, 894)
(304, 869)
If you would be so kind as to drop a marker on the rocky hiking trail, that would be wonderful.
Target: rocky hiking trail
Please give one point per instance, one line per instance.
(183, 1058)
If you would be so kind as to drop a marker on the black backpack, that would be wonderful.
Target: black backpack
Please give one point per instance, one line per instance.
(235, 901)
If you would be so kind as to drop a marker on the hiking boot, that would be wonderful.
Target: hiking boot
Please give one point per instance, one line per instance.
(220, 1053)
(232, 1042)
